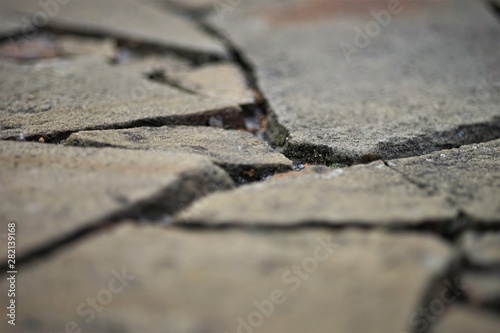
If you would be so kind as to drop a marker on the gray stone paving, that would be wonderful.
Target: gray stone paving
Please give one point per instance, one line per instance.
(425, 80)
(250, 166)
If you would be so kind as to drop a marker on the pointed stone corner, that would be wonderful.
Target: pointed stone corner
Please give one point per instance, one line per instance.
(259, 279)
(238, 152)
(368, 80)
(52, 192)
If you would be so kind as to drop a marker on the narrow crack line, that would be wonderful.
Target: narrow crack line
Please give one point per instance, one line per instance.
(422, 186)
(45, 251)
(161, 77)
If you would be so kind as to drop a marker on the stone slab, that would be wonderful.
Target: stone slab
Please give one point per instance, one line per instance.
(52, 192)
(192, 281)
(238, 152)
(482, 249)
(423, 80)
(123, 19)
(461, 319)
(434, 188)
(53, 98)
(371, 194)
(469, 175)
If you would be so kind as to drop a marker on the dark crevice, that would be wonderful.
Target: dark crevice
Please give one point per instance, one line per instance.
(229, 118)
(495, 7)
(273, 131)
(142, 48)
(424, 317)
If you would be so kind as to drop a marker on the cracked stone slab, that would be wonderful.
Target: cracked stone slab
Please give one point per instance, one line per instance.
(469, 175)
(238, 152)
(370, 194)
(462, 319)
(482, 249)
(57, 97)
(123, 19)
(188, 281)
(426, 80)
(433, 188)
(52, 192)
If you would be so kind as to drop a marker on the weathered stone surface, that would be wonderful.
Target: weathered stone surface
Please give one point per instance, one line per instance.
(425, 80)
(483, 288)
(370, 194)
(188, 281)
(461, 319)
(55, 97)
(470, 177)
(238, 152)
(482, 249)
(124, 19)
(53, 191)
(429, 188)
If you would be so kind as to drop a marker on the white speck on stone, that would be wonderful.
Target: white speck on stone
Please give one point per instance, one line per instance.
(21, 137)
(442, 155)
(429, 160)
(333, 174)
(391, 164)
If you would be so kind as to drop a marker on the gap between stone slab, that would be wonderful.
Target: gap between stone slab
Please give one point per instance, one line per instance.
(195, 58)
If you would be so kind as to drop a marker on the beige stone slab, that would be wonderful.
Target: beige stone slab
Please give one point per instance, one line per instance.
(52, 192)
(192, 281)
(238, 152)
(370, 194)
(56, 97)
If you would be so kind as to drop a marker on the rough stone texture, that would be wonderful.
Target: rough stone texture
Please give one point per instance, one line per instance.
(203, 281)
(371, 194)
(415, 190)
(426, 81)
(461, 319)
(482, 249)
(55, 97)
(470, 177)
(483, 288)
(53, 191)
(238, 152)
(124, 19)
